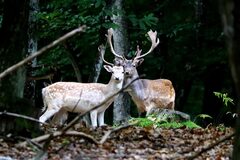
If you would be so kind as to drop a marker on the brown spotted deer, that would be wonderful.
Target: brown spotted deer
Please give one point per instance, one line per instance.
(63, 97)
(146, 94)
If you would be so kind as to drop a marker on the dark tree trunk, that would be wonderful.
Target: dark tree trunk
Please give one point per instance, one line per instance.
(30, 86)
(121, 109)
(230, 13)
(13, 48)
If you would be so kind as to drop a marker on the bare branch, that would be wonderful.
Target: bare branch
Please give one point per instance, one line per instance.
(77, 102)
(22, 116)
(42, 50)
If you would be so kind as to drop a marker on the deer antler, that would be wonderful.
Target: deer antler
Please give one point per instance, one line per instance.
(109, 37)
(101, 50)
(138, 52)
(155, 42)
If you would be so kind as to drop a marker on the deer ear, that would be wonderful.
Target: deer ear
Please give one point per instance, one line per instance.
(108, 68)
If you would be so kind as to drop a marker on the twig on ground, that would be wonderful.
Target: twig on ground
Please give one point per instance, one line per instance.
(42, 50)
(60, 133)
(107, 134)
(35, 145)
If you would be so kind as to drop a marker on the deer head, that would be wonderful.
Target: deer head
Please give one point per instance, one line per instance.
(130, 65)
(117, 71)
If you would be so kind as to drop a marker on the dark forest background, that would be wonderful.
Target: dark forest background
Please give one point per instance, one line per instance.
(192, 51)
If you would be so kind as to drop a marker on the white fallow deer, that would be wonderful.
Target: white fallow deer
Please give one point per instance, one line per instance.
(146, 94)
(63, 97)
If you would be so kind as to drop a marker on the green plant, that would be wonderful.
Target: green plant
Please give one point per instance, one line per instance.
(202, 119)
(226, 101)
(158, 121)
(225, 98)
(65, 141)
(142, 122)
(221, 127)
(202, 116)
(187, 124)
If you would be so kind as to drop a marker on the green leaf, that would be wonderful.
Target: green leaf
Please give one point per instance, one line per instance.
(225, 98)
(204, 116)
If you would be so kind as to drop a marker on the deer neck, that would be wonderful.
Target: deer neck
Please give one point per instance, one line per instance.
(138, 88)
(113, 87)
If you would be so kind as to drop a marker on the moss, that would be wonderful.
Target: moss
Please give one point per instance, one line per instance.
(142, 122)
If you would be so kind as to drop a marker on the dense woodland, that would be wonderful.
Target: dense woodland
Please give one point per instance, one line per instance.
(198, 52)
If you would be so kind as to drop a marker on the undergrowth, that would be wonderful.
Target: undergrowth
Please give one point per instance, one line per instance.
(154, 121)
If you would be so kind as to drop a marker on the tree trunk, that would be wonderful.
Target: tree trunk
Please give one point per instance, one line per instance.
(231, 21)
(13, 48)
(32, 36)
(30, 85)
(121, 109)
(97, 69)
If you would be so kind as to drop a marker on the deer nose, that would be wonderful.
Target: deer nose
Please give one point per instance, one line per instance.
(127, 73)
(117, 78)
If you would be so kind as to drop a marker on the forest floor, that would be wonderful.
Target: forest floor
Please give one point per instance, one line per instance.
(130, 142)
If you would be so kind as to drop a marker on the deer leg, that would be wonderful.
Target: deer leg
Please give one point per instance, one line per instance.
(101, 118)
(171, 105)
(51, 110)
(93, 116)
(60, 117)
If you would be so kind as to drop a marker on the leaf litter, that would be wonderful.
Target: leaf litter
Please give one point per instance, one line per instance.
(129, 143)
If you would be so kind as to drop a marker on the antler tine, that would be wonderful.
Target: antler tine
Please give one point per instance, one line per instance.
(154, 40)
(138, 52)
(109, 37)
(101, 50)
